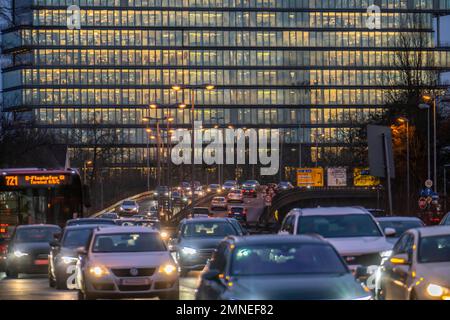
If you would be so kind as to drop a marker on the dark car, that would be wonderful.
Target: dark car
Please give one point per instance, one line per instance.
(162, 192)
(214, 188)
(400, 224)
(249, 192)
(271, 267)
(238, 212)
(63, 254)
(96, 221)
(197, 239)
(29, 248)
(200, 212)
(284, 185)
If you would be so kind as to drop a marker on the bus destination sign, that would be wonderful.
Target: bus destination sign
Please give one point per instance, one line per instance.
(35, 180)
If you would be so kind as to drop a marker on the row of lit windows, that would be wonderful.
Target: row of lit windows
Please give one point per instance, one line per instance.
(232, 58)
(295, 4)
(123, 97)
(118, 136)
(220, 38)
(124, 77)
(208, 116)
(140, 18)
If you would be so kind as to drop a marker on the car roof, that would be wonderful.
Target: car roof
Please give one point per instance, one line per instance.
(272, 238)
(433, 231)
(88, 226)
(125, 229)
(398, 218)
(29, 226)
(206, 220)
(88, 219)
(325, 211)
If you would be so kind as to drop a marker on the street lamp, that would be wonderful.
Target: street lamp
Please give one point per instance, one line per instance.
(86, 163)
(192, 90)
(432, 100)
(404, 120)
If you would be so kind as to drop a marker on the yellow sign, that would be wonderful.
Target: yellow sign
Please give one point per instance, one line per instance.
(362, 178)
(12, 181)
(312, 177)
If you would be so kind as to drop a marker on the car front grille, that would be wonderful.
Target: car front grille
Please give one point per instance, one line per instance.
(135, 288)
(142, 272)
(364, 260)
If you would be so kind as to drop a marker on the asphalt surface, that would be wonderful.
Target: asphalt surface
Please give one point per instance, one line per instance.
(35, 287)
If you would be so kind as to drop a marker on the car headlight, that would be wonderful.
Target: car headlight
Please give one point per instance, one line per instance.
(20, 254)
(164, 235)
(156, 193)
(68, 260)
(189, 251)
(168, 269)
(386, 254)
(166, 194)
(121, 208)
(98, 271)
(209, 190)
(436, 291)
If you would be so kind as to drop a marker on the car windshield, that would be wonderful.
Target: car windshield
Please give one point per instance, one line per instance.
(128, 203)
(399, 225)
(200, 211)
(229, 183)
(128, 242)
(339, 226)
(434, 249)
(219, 199)
(208, 229)
(237, 209)
(282, 259)
(76, 238)
(35, 234)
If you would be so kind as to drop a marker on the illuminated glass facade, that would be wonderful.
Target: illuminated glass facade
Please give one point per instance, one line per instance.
(310, 67)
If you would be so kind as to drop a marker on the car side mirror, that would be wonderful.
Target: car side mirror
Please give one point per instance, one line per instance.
(390, 232)
(55, 244)
(400, 259)
(81, 251)
(361, 273)
(211, 275)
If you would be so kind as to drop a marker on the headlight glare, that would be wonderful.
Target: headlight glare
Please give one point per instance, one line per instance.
(20, 254)
(98, 271)
(386, 254)
(189, 251)
(435, 290)
(68, 260)
(167, 269)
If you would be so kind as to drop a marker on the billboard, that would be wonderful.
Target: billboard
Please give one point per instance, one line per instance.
(337, 177)
(312, 177)
(362, 178)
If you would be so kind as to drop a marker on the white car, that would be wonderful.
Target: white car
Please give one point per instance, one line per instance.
(126, 262)
(235, 196)
(129, 207)
(218, 203)
(353, 231)
(419, 267)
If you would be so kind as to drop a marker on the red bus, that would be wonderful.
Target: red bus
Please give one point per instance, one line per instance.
(32, 195)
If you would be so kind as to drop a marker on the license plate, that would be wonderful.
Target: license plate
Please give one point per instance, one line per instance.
(135, 282)
(40, 262)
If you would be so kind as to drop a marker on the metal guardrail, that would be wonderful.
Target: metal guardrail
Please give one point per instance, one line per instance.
(111, 208)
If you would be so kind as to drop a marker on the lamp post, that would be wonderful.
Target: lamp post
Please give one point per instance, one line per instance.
(86, 163)
(405, 121)
(192, 91)
(425, 106)
(432, 100)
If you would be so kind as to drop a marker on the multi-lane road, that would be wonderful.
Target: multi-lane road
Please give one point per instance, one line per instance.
(35, 287)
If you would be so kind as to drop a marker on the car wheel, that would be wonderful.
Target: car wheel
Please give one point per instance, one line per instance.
(11, 273)
(173, 295)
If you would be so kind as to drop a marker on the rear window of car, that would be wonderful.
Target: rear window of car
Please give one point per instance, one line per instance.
(27, 235)
(219, 199)
(128, 242)
(200, 211)
(237, 209)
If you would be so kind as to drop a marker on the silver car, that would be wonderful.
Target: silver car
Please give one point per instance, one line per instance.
(126, 262)
(129, 207)
(419, 267)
